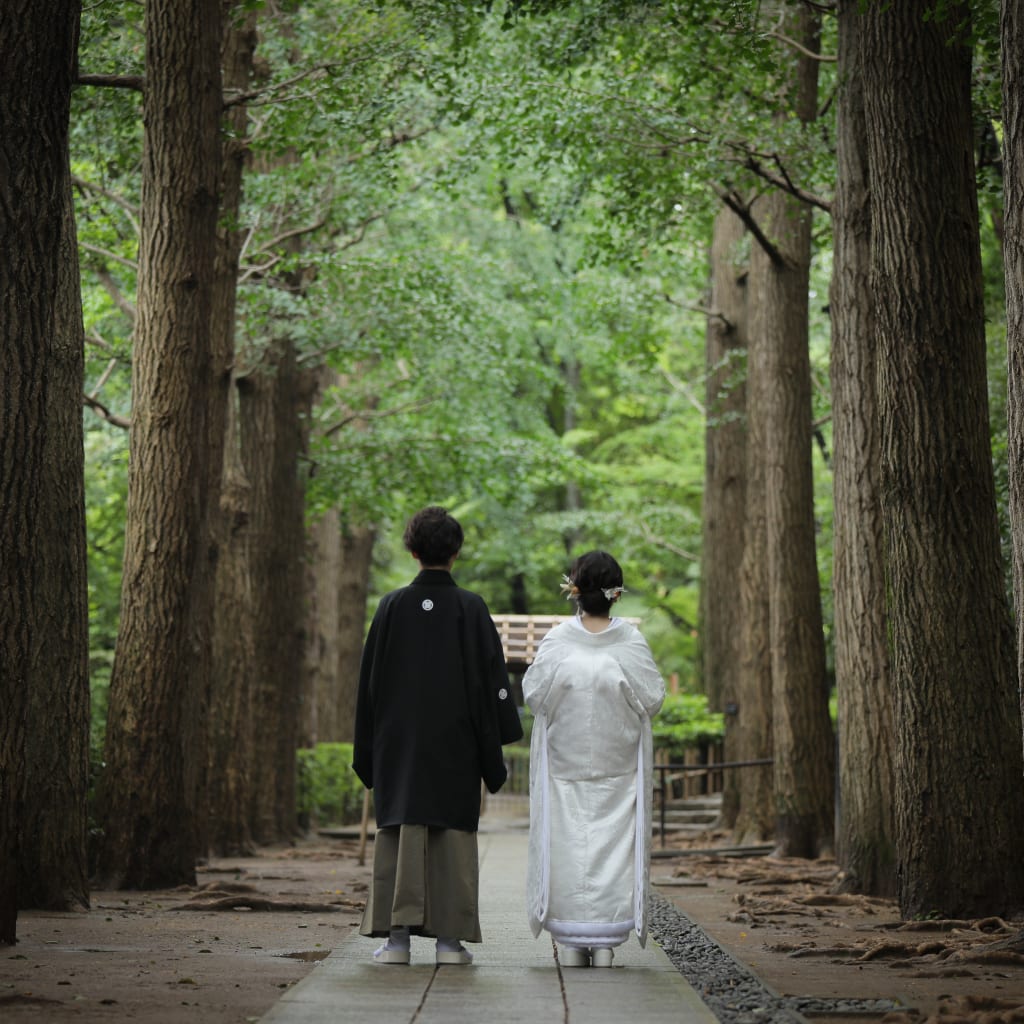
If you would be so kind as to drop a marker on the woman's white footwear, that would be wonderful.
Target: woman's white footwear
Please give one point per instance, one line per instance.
(574, 956)
(602, 957)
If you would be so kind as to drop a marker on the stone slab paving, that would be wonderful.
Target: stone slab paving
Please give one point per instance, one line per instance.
(514, 977)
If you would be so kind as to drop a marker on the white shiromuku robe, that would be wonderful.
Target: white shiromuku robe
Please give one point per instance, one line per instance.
(588, 868)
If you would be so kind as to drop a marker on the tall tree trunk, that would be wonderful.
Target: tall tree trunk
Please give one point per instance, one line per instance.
(959, 799)
(323, 592)
(230, 654)
(155, 749)
(271, 402)
(354, 591)
(234, 658)
(725, 450)
(54, 866)
(755, 819)
(1012, 33)
(865, 841)
(39, 43)
(802, 731)
(339, 564)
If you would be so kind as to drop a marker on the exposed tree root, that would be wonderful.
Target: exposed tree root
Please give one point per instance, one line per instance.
(219, 901)
(227, 887)
(27, 999)
(795, 895)
(966, 1010)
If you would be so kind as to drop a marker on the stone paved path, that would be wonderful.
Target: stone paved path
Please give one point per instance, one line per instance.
(514, 977)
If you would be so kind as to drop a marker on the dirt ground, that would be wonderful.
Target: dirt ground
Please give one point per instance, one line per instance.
(223, 952)
(220, 953)
(783, 920)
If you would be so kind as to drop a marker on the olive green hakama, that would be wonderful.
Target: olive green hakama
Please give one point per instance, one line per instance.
(424, 879)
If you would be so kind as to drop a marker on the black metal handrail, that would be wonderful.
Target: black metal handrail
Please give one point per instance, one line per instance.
(665, 769)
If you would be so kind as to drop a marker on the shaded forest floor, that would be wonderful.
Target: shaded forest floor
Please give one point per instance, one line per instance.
(780, 918)
(220, 953)
(224, 952)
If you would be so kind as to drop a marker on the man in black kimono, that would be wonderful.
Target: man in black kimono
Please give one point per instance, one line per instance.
(433, 710)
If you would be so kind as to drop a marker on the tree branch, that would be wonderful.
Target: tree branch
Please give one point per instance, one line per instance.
(825, 58)
(104, 377)
(751, 160)
(711, 314)
(285, 236)
(272, 259)
(367, 415)
(136, 82)
(108, 282)
(104, 413)
(652, 538)
(97, 339)
(319, 354)
(253, 95)
(784, 182)
(742, 210)
(119, 200)
(684, 389)
(107, 255)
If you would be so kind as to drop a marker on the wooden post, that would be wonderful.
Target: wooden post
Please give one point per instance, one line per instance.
(689, 782)
(715, 780)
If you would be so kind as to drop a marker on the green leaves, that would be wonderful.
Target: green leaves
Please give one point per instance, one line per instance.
(488, 221)
(328, 791)
(684, 721)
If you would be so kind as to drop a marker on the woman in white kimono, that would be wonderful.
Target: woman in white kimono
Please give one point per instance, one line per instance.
(592, 688)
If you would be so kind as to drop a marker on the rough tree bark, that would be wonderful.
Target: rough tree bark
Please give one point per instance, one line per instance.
(54, 866)
(725, 451)
(231, 655)
(801, 728)
(959, 799)
(154, 750)
(234, 658)
(1012, 33)
(323, 572)
(338, 583)
(755, 819)
(339, 561)
(39, 43)
(865, 843)
(272, 396)
(354, 592)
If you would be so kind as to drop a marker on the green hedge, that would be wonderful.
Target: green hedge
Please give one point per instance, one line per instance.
(329, 792)
(685, 722)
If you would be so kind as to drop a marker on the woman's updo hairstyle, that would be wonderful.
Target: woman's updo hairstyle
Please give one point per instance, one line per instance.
(592, 574)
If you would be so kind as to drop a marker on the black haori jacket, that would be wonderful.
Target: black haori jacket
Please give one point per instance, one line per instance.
(434, 706)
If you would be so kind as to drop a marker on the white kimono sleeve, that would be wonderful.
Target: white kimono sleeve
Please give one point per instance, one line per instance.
(536, 689)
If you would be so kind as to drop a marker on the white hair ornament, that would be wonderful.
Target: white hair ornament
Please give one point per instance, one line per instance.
(570, 589)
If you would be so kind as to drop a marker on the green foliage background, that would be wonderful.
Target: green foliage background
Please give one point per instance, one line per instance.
(328, 790)
(504, 210)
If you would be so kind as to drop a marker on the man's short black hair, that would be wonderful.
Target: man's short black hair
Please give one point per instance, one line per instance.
(433, 536)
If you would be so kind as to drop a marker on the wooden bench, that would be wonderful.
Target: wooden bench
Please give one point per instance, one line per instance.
(521, 636)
